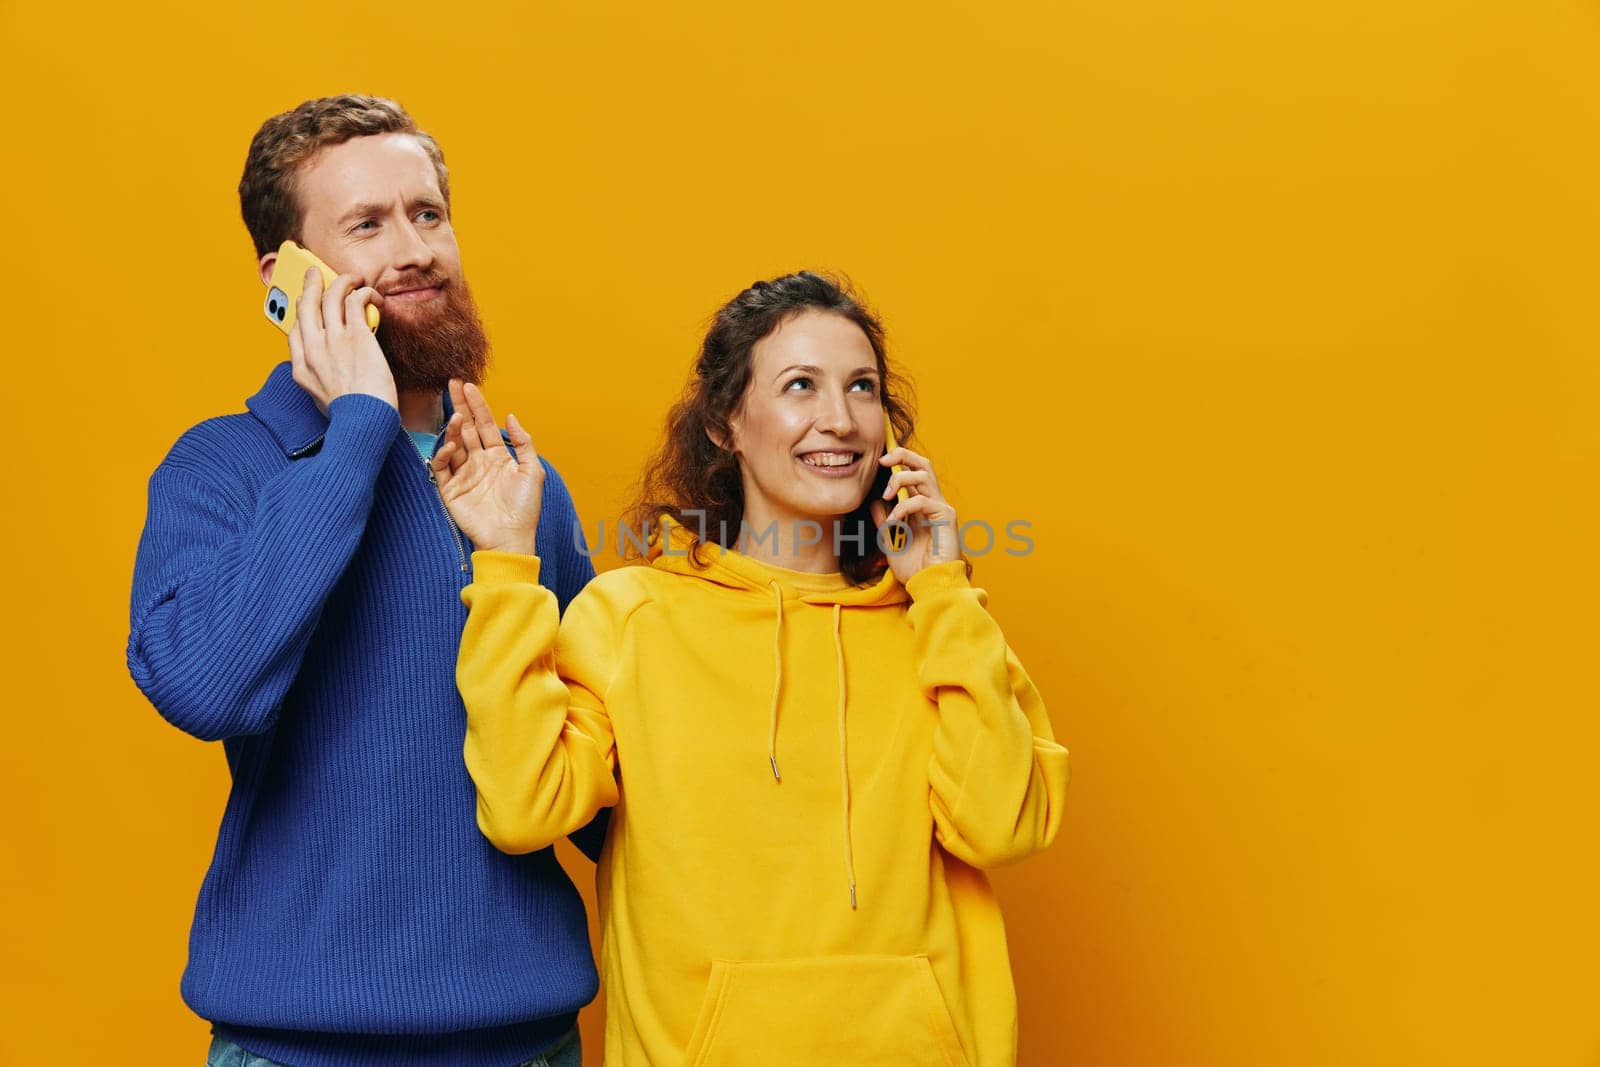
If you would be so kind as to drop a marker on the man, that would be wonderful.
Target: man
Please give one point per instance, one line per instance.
(297, 596)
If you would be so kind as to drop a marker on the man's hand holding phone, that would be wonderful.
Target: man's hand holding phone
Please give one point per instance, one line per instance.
(333, 349)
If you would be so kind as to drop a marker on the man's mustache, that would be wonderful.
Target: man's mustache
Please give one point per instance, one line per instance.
(422, 280)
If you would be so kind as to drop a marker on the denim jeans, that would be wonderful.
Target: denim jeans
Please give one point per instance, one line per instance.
(568, 1052)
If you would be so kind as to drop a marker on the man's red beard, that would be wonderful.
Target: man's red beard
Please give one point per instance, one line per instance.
(427, 346)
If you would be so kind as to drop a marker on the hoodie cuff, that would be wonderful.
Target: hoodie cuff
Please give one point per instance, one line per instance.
(504, 568)
(938, 578)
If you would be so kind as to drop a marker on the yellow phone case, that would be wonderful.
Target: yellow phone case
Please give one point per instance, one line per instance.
(289, 279)
(896, 537)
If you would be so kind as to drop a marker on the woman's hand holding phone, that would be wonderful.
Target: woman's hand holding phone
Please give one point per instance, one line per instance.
(333, 350)
(493, 497)
(934, 536)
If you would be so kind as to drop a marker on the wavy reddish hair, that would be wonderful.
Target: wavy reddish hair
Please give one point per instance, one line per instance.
(285, 142)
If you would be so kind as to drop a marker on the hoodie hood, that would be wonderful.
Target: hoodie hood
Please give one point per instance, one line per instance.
(735, 570)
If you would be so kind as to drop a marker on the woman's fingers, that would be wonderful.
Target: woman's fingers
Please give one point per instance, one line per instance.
(461, 418)
(469, 432)
(452, 456)
(521, 441)
(480, 416)
(916, 474)
(928, 507)
(904, 457)
(919, 481)
(442, 469)
(452, 449)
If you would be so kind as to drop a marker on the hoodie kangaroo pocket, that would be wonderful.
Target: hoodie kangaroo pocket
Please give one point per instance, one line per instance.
(833, 1009)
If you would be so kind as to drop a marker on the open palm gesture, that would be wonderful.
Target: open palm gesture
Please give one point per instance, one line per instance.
(493, 496)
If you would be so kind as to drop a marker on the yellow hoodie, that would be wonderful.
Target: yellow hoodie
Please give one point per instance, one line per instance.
(808, 779)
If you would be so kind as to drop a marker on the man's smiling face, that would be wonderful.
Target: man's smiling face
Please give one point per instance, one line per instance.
(372, 206)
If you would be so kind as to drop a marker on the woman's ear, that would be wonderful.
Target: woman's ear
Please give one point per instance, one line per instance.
(727, 442)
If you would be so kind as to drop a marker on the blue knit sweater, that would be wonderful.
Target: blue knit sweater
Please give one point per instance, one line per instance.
(297, 596)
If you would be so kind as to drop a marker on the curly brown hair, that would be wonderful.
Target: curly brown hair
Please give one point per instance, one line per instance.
(284, 142)
(691, 476)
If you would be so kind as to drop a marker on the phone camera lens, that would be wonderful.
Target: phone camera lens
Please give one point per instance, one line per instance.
(277, 305)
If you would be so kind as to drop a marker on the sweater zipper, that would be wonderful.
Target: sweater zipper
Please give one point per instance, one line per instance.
(307, 449)
(455, 531)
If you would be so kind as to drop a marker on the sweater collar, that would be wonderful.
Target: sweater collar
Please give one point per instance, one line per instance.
(291, 416)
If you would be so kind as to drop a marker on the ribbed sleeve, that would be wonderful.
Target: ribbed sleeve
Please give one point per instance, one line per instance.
(297, 593)
(224, 599)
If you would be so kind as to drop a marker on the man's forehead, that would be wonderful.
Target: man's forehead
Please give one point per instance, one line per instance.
(365, 170)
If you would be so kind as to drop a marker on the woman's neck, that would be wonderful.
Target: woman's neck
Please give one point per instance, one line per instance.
(791, 541)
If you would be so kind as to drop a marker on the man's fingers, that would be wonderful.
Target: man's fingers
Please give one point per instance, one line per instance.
(308, 320)
(308, 309)
(333, 300)
(297, 356)
(355, 305)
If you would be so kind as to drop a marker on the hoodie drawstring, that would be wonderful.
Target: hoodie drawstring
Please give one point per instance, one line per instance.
(772, 729)
(844, 764)
(777, 683)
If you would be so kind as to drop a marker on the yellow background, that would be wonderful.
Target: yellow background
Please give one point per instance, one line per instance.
(1276, 320)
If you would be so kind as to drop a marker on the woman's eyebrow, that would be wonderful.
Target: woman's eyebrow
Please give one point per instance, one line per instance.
(809, 369)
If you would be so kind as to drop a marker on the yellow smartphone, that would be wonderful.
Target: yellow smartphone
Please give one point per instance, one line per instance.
(896, 537)
(288, 281)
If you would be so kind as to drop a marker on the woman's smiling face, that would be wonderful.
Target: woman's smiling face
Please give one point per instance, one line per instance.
(811, 428)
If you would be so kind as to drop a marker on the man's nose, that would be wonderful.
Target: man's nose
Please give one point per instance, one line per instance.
(413, 252)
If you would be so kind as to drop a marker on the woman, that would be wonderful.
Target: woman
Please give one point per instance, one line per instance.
(812, 755)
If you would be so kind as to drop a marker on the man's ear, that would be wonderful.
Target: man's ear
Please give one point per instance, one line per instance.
(266, 267)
